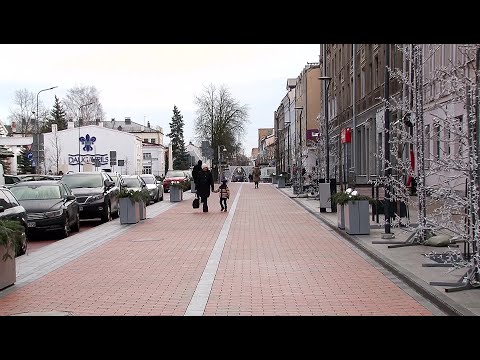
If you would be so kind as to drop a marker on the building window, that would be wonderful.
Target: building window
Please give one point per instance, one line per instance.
(437, 142)
(152, 141)
(147, 169)
(362, 83)
(427, 147)
(147, 156)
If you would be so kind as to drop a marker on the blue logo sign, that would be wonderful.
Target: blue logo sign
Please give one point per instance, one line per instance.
(30, 156)
(88, 142)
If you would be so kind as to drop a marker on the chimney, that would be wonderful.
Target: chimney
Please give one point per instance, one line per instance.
(14, 127)
(148, 124)
(71, 125)
(128, 121)
(54, 128)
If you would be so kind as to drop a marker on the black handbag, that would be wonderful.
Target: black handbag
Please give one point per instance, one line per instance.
(196, 203)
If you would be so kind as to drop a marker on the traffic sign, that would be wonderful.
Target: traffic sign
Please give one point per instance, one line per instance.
(34, 163)
(30, 156)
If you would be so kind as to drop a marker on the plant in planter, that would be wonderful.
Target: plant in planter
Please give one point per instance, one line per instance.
(176, 191)
(143, 198)
(354, 214)
(129, 206)
(12, 236)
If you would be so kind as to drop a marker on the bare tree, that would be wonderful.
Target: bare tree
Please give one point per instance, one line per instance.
(53, 153)
(24, 112)
(220, 119)
(81, 95)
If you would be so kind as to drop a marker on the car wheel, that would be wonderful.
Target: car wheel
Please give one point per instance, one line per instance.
(76, 226)
(107, 213)
(66, 228)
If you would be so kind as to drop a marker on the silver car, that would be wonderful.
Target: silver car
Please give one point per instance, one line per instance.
(155, 188)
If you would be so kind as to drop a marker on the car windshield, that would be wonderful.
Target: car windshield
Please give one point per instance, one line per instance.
(175, 173)
(83, 181)
(34, 192)
(131, 182)
(148, 180)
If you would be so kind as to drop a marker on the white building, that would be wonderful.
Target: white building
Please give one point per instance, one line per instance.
(116, 150)
(153, 159)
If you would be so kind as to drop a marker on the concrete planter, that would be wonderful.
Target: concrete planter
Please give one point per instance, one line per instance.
(129, 211)
(193, 189)
(357, 220)
(176, 193)
(281, 182)
(142, 209)
(341, 217)
(274, 179)
(8, 273)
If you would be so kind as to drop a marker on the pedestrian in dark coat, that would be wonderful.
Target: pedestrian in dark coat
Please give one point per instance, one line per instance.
(256, 176)
(205, 184)
(195, 171)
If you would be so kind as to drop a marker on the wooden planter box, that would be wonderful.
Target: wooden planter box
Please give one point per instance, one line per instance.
(176, 193)
(357, 219)
(193, 189)
(274, 179)
(129, 211)
(143, 210)
(281, 182)
(8, 272)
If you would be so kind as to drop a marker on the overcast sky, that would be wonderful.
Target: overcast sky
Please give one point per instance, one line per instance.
(145, 81)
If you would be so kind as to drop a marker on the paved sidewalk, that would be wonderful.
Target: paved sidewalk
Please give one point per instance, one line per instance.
(406, 262)
(268, 255)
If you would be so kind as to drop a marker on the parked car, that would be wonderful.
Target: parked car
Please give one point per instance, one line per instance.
(96, 193)
(174, 175)
(155, 188)
(134, 182)
(13, 179)
(118, 179)
(50, 206)
(11, 209)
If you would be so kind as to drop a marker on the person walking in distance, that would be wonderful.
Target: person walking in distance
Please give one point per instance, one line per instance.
(205, 184)
(256, 176)
(224, 193)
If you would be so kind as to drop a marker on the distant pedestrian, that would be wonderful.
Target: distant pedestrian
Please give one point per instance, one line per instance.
(256, 176)
(205, 184)
(50, 172)
(60, 173)
(224, 193)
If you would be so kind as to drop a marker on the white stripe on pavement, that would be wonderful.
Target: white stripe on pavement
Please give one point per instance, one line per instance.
(202, 292)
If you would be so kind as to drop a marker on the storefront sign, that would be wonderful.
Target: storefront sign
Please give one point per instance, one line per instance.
(103, 159)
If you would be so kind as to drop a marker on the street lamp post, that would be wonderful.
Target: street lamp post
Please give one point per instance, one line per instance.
(37, 165)
(220, 160)
(79, 109)
(327, 136)
(301, 152)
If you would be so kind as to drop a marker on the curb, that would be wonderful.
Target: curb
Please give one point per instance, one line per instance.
(443, 302)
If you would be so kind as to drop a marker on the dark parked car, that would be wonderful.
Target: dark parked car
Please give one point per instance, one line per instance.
(50, 206)
(96, 194)
(174, 175)
(10, 209)
(13, 179)
(155, 187)
(134, 182)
